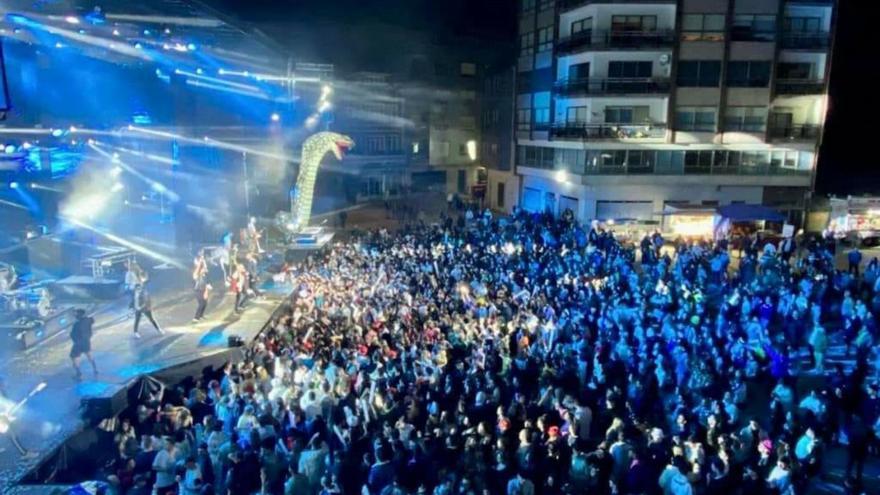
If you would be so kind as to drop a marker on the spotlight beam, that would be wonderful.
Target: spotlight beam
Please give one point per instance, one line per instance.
(155, 185)
(126, 243)
(13, 205)
(213, 142)
(86, 39)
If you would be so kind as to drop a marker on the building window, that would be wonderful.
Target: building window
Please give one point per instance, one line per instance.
(545, 39)
(745, 119)
(696, 119)
(579, 72)
(524, 119)
(462, 181)
(748, 27)
(493, 149)
(629, 69)
(582, 26)
(527, 45)
(626, 115)
(633, 23)
(499, 195)
(546, 4)
(468, 69)
(748, 74)
(576, 115)
(702, 27)
(802, 25)
(699, 73)
(794, 70)
(541, 105)
(542, 117)
(528, 5)
(546, 157)
(462, 150)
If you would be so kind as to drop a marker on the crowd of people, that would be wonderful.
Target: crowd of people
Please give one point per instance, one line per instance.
(530, 355)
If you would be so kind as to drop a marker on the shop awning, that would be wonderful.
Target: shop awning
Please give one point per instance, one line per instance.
(689, 210)
(750, 213)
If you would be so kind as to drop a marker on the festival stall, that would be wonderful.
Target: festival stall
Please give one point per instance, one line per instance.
(740, 220)
(857, 219)
(689, 221)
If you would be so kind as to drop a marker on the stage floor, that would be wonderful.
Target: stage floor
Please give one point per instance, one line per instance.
(53, 414)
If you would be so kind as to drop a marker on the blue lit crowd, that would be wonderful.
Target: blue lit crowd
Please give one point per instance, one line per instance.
(531, 355)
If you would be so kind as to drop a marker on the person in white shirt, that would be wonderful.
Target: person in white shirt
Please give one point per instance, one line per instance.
(191, 481)
(165, 465)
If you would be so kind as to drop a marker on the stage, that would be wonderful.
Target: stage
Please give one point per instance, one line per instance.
(53, 415)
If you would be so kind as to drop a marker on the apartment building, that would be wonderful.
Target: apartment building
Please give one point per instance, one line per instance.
(369, 107)
(497, 149)
(624, 108)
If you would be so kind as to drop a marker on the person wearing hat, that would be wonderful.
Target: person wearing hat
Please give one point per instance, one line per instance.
(143, 306)
(81, 336)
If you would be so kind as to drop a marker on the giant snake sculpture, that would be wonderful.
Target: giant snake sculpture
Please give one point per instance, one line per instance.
(313, 151)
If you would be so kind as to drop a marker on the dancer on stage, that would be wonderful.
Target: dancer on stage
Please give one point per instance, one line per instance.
(238, 285)
(201, 285)
(143, 306)
(81, 336)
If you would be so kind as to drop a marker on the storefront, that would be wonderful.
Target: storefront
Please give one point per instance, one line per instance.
(857, 219)
(689, 221)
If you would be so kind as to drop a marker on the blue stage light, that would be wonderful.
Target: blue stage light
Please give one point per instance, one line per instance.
(138, 46)
(17, 19)
(57, 133)
(146, 32)
(13, 185)
(199, 71)
(276, 117)
(9, 149)
(191, 47)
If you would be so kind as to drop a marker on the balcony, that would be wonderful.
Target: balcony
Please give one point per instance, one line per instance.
(794, 40)
(598, 132)
(621, 40)
(800, 87)
(796, 132)
(611, 86)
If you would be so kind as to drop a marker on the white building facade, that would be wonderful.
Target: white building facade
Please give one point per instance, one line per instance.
(625, 107)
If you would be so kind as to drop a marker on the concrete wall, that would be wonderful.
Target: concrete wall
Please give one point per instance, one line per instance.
(511, 183)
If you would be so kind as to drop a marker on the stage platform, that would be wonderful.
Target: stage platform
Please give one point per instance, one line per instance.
(53, 415)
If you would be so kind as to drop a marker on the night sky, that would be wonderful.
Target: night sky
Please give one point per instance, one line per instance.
(361, 33)
(847, 163)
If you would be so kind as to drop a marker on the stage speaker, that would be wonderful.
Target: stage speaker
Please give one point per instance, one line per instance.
(56, 323)
(96, 409)
(235, 341)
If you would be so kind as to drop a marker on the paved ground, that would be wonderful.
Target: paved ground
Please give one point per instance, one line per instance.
(52, 415)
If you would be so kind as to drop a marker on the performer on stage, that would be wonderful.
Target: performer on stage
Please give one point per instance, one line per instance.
(143, 306)
(254, 236)
(81, 336)
(7, 423)
(238, 285)
(201, 285)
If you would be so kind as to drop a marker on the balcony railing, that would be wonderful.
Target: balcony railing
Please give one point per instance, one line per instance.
(796, 132)
(591, 132)
(593, 39)
(566, 5)
(806, 41)
(635, 85)
(761, 169)
(800, 86)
